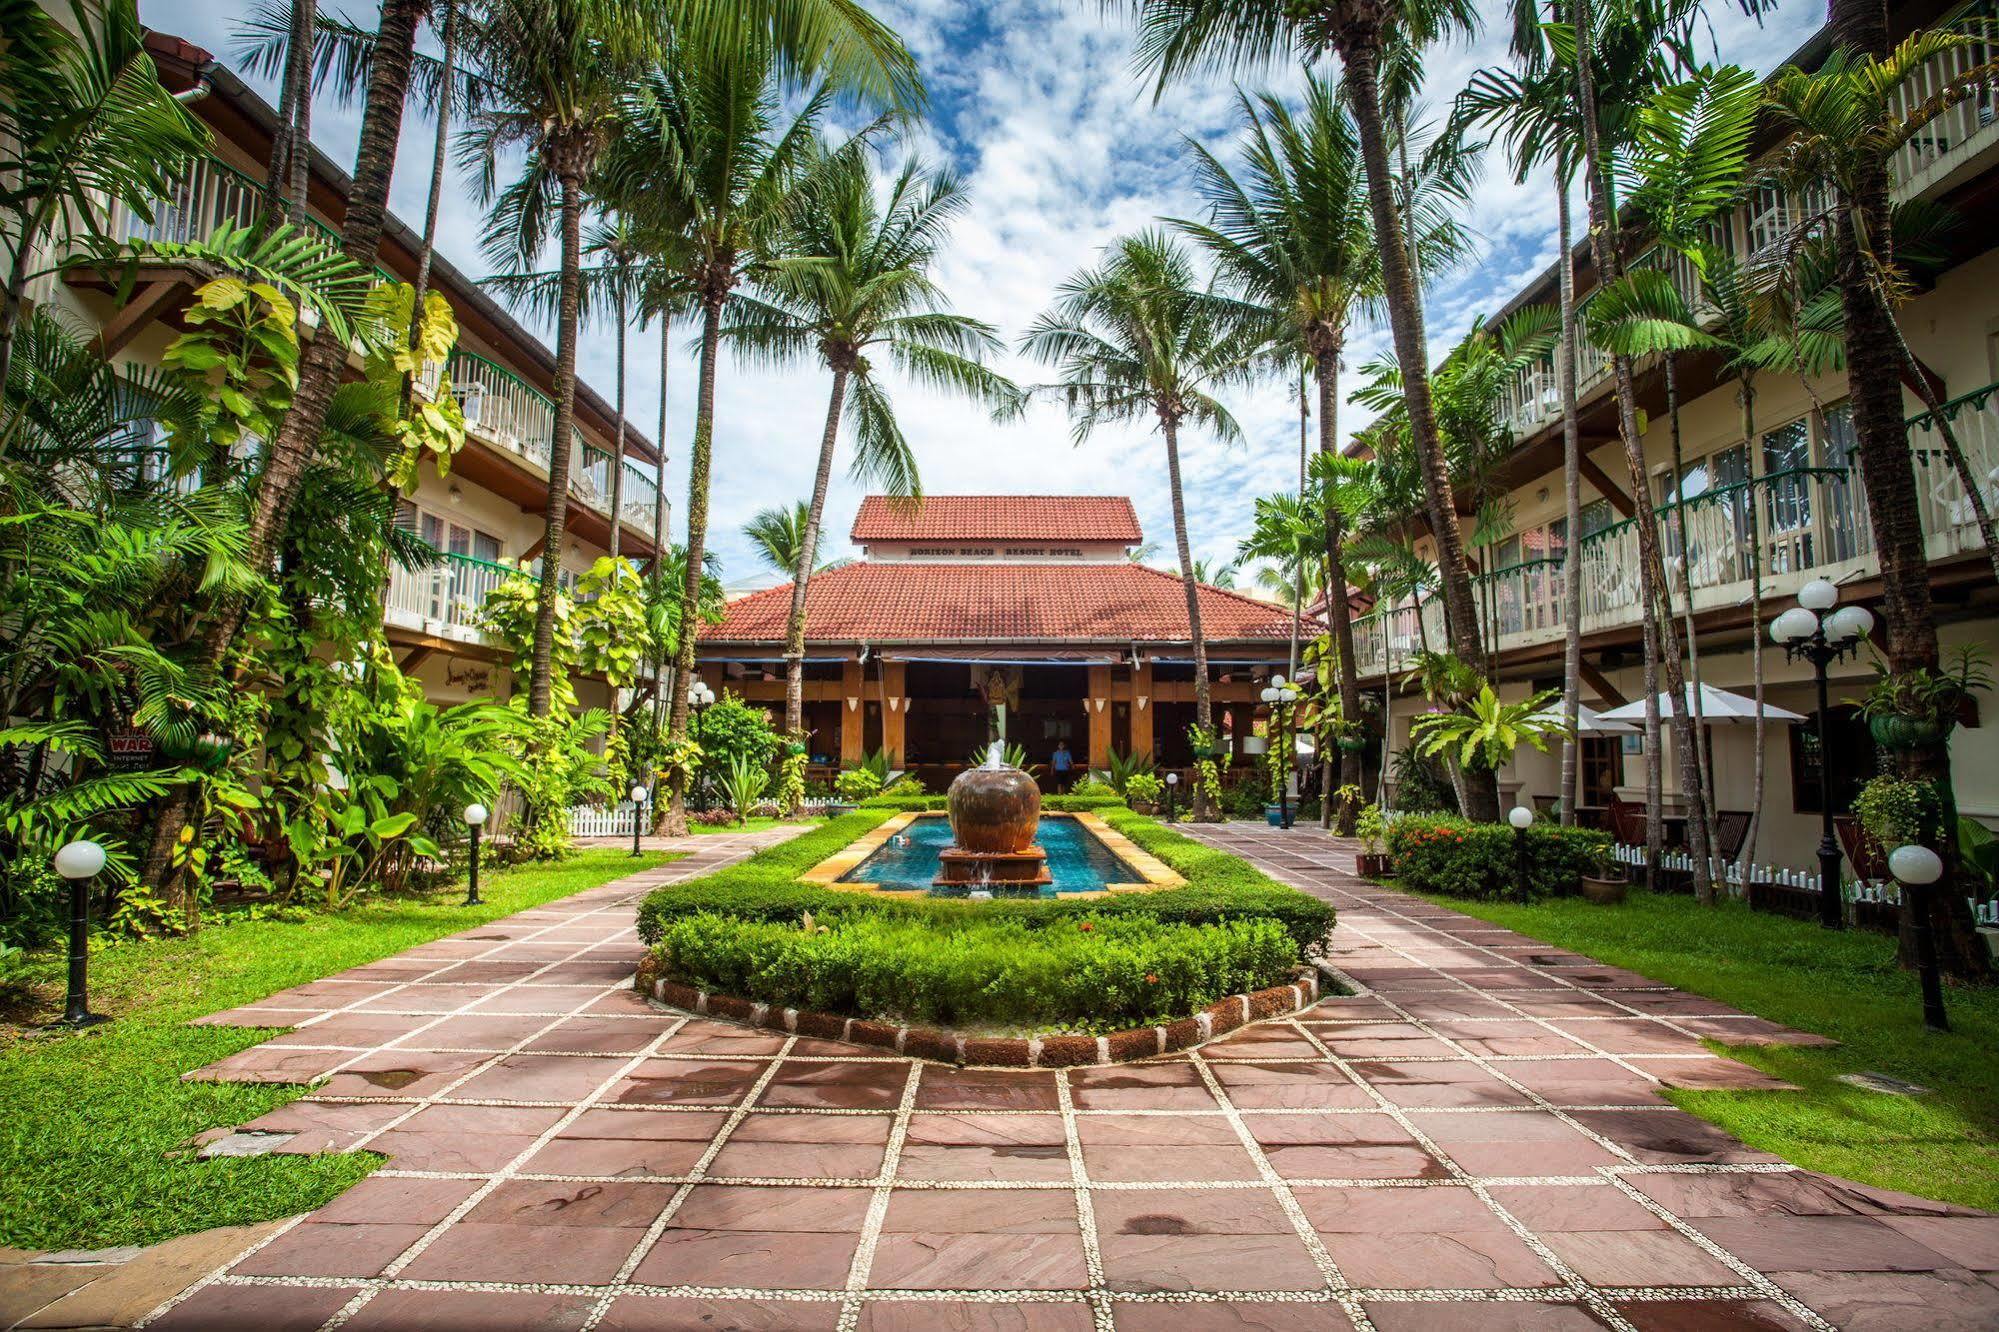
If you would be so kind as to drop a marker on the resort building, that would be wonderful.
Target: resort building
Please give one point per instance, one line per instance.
(1776, 506)
(488, 514)
(1027, 612)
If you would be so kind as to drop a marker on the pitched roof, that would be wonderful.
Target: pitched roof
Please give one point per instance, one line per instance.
(896, 602)
(998, 518)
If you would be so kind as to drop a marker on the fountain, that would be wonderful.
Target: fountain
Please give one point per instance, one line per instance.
(995, 811)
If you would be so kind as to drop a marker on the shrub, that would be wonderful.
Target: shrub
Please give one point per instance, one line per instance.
(857, 784)
(1093, 785)
(730, 728)
(1453, 856)
(1143, 788)
(1220, 887)
(1244, 800)
(909, 784)
(1896, 812)
(1096, 971)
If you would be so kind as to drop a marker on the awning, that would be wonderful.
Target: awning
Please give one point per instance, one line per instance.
(1003, 656)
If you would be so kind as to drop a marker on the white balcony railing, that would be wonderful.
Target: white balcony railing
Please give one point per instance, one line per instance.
(1784, 526)
(444, 600)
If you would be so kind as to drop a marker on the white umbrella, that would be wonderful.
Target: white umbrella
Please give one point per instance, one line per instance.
(1718, 707)
(1588, 721)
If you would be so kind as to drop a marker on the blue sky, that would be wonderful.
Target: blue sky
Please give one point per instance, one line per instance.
(1062, 147)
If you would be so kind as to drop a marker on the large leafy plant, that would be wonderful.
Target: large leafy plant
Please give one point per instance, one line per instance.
(1486, 730)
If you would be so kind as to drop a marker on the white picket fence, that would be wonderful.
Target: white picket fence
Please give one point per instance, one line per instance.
(1737, 881)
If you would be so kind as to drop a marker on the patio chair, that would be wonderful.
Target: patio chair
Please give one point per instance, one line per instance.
(1627, 821)
(1731, 829)
(1865, 855)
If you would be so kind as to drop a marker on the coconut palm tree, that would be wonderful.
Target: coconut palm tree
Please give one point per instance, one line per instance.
(1181, 37)
(557, 69)
(851, 283)
(1140, 337)
(1288, 532)
(778, 533)
(708, 140)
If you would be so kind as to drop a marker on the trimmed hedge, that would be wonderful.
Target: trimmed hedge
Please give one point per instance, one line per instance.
(937, 804)
(1099, 974)
(1220, 888)
(1436, 853)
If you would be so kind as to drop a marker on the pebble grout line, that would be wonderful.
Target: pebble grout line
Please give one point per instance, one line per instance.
(884, 1185)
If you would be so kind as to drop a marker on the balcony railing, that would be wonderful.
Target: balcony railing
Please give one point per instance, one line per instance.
(1959, 133)
(445, 599)
(1808, 520)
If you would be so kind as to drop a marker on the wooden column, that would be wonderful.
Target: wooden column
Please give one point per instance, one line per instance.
(895, 712)
(1098, 705)
(851, 715)
(1143, 701)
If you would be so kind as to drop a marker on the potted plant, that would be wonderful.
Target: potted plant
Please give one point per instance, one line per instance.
(1895, 812)
(1911, 709)
(1603, 880)
(1142, 791)
(1372, 829)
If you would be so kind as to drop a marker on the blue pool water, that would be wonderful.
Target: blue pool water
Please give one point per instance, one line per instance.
(1077, 861)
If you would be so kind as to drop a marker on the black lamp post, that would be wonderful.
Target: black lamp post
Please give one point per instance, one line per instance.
(79, 862)
(1815, 631)
(1280, 694)
(638, 813)
(1917, 868)
(1172, 785)
(475, 821)
(1522, 818)
(699, 696)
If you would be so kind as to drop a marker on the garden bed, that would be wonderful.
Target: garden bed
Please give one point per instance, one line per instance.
(1022, 968)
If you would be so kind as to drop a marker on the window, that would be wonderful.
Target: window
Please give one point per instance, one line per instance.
(1852, 759)
(1602, 766)
(1769, 219)
(1787, 498)
(1595, 516)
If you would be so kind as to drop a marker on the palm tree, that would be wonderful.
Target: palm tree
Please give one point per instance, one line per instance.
(852, 282)
(557, 69)
(778, 533)
(1137, 337)
(1179, 37)
(1287, 531)
(84, 123)
(705, 140)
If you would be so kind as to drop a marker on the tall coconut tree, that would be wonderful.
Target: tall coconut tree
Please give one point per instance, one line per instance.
(1139, 337)
(557, 69)
(851, 287)
(778, 533)
(1181, 37)
(707, 137)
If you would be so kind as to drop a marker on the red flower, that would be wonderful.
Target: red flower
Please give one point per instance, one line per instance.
(1151, 979)
(1086, 927)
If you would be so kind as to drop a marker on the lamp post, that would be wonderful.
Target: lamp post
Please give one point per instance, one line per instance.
(699, 696)
(1917, 868)
(1522, 818)
(1815, 631)
(475, 821)
(1172, 785)
(1280, 694)
(638, 812)
(79, 862)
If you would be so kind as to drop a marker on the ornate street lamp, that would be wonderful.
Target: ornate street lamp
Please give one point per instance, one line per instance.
(1917, 868)
(1817, 632)
(79, 862)
(475, 820)
(1280, 694)
(638, 812)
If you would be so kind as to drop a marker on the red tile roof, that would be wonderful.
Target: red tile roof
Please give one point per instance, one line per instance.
(999, 518)
(895, 602)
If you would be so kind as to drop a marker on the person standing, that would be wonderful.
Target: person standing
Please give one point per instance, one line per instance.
(1063, 763)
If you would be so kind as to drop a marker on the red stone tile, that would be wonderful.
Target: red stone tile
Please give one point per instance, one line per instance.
(403, 1074)
(465, 1138)
(796, 1160)
(932, 1260)
(1710, 1316)
(765, 1259)
(1947, 1301)
(783, 1207)
(1009, 1163)
(1325, 1146)
(326, 1249)
(854, 1130)
(837, 1086)
(1485, 1316)
(1638, 1258)
(676, 1082)
(1165, 1261)
(393, 1201)
(598, 1035)
(1568, 1207)
(552, 1204)
(1188, 1212)
(969, 1316)
(1227, 1316)
(989, 1212)
(1669, 1137)
(470, 1311)
(1108, 1130)
(529, 1253)
(539, 999)
(1126, 1164)
(218, 1308)
(985, 1089)
(1168, 1085)
(530, 1077)
(1968, 1241)
(1778, 1243)
(716, 1040)
(1444, 1083)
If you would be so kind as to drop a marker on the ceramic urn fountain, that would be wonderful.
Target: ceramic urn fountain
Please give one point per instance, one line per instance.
(995, 811)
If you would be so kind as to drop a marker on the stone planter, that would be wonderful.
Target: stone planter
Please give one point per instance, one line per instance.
(1604, 892)
(1373, 864)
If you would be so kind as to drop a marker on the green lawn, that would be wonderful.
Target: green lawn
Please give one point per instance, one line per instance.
(90, 1124)
(1844, 985)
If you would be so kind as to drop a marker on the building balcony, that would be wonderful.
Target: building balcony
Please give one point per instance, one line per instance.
(445, 600)
(502, 410)
(1785, 527)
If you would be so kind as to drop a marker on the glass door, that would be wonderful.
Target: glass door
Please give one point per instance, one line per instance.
(1787, 499)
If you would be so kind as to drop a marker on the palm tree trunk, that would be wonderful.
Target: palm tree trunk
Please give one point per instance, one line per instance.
(1203, 701)
(1298, 563)
(1338, 611)
(618, 436)
(657, 568)
(1572, 511)
(319, 370)
(1746, 397)
(1661, 638)
(1873, 363)
(1360, 48)
(541, 666)
(291, 148)
(426, 251)
(808, 555)
(698, 462)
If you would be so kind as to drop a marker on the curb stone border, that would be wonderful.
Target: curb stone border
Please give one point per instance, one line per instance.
(950, 1047)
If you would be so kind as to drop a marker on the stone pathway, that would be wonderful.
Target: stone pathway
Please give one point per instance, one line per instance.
(1474, 1141)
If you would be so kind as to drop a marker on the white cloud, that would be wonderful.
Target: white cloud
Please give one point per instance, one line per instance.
(1062, 148)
